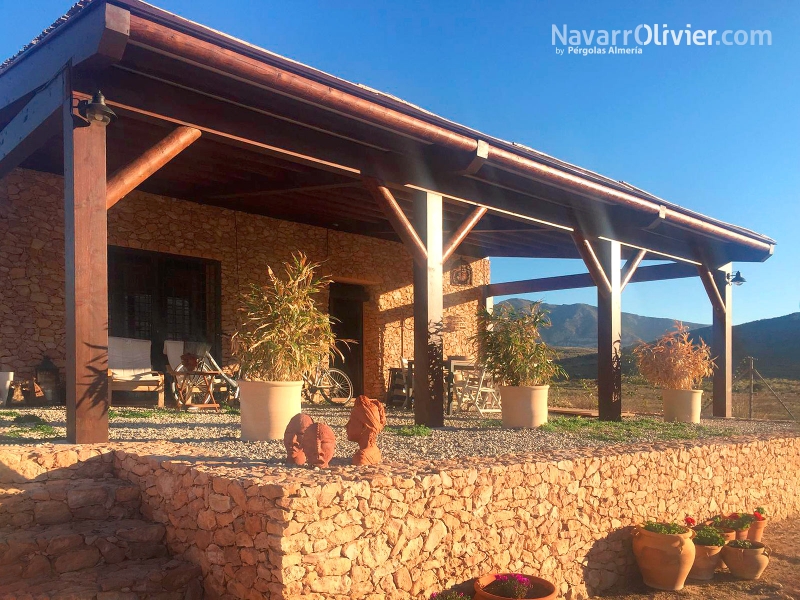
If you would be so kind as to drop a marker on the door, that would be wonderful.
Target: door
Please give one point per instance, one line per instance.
(158, 297)
(346, 306)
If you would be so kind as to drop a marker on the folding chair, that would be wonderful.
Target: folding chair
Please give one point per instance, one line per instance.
(476, 390)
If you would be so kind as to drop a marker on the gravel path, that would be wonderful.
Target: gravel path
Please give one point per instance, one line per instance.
(463, 435)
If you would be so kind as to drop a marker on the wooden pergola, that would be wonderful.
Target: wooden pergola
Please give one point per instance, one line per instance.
(210, 119)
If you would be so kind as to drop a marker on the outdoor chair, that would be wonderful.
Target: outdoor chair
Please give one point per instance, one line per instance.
(408, 372)
(476, 390)
(130, 368)
(197, 383)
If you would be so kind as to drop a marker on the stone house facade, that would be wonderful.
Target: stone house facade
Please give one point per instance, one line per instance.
(32, 295)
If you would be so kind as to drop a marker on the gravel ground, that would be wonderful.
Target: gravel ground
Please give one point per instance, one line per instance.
(463, 434)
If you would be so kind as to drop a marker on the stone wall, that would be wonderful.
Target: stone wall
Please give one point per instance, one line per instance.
(401, 531)
(32, 269)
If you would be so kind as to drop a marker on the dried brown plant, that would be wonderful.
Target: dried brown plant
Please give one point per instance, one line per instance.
(673, 361)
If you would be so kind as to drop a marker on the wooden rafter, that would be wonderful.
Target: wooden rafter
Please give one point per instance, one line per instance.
(402, 226)
(707, 277)
(463, 231)
(592, 263)
(630, 268)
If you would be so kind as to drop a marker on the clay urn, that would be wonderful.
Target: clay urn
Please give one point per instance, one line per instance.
(664, 559)
(746, 563)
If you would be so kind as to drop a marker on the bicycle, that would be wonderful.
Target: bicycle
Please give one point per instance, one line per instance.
(332, 384)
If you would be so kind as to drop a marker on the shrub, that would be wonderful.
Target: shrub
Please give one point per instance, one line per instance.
(745, 544)
(708, 536)
(673, 361)
(665, 528)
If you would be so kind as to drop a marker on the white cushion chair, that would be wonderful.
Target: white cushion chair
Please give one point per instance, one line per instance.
(130, 369)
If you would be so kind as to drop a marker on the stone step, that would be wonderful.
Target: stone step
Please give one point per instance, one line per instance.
(152, 579)
(61, 501)
(43, 550)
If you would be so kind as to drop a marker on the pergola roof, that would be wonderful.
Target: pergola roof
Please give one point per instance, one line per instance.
(288, 141)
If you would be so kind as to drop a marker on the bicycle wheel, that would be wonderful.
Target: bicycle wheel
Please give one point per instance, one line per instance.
(338, 386)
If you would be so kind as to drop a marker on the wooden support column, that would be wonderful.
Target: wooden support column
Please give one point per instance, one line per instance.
(86, 278)
(720, 292)
(609, 333)
(428, 309)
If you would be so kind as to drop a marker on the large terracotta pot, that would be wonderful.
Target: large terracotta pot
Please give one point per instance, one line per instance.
(267, 407)
(548, 589)
(682, 406)
(707, 559)
(746, 563)
(756, 530)
(664, 559)
(524, 406)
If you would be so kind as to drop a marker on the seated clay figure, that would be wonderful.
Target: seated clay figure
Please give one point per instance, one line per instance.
(319, 444)
(293, 438)
(367, 419)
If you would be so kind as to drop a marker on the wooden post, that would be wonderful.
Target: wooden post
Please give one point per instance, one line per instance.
(609, 333)
(722, 344)
(86, 278)
(428, 308)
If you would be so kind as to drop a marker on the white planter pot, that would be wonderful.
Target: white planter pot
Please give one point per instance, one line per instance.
(6, 377)
(682, 406)
(524, 406)
(267, 407)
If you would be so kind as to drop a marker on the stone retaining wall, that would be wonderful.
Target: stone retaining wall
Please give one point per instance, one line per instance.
(403, 531)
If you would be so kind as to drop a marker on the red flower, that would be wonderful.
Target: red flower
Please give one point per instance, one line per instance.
(690, 522)
(758, 516)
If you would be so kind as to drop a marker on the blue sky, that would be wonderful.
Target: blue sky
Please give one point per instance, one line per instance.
(715, 129)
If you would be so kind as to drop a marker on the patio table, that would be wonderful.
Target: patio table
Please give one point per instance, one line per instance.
(191, 384)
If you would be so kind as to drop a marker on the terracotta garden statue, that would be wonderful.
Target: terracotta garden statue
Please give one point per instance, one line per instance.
(319, 444)
(293, 438)
(367, 419)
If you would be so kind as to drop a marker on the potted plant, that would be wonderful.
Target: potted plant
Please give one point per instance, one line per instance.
(708, 543)
(449, 595)
(756, 530)
(510, 346)
(283, 334)
(745, 559)
(676, 365)
(724, 526)
(513, 585)
(740, 522)
(664, 553)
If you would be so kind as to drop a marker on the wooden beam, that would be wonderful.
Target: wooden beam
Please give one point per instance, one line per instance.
(589, 257)
(95, 38)
(402, 226)
(709, 282)
(460, 234)
(584, 280)
(630, 267)
(128, 178)
(86, 273)
(38, 121)
(277, 190)
(428, 315)
(722, 346)
(609, 334)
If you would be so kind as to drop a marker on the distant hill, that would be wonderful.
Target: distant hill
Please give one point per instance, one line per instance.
(774, 343)
(575, 325)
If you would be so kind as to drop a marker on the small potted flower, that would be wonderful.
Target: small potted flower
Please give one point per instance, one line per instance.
(449, 595)
(708, 543)
(677, 365)
(741, 522)
(745, 559)
(724, 526)
(757, 527)
(513, 585)
(664, 553)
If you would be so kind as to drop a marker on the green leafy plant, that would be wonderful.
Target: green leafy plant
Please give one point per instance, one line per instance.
(673, 361)
(708, 536)
(34, 419)
(410, 430)
(745, 544)
(509, 344)
(131, 413)
(741, 521)
(284, 333)
(448, 595)
(665, 528)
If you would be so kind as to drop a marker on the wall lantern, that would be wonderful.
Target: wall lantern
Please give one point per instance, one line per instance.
(461, 273)
(96, 111)
(736, 279)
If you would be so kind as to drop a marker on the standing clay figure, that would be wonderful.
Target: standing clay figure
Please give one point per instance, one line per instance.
(293, 438)
(367, 419)
(319, 444)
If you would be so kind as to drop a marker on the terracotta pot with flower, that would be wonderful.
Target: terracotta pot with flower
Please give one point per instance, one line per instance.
(756, 530)
(745, 559)
(741, 523)
(724, 526)
(677, 365)
(708, 543)
(513, 585)
(665, 554)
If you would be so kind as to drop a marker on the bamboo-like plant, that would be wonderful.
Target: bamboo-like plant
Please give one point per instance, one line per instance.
(509, 344)
(673, 361)
(283, 332)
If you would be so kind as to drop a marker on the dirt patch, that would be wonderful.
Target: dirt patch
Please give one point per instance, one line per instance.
(781, 580)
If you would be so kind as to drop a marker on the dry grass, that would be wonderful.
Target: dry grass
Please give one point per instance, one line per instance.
(673, 361)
